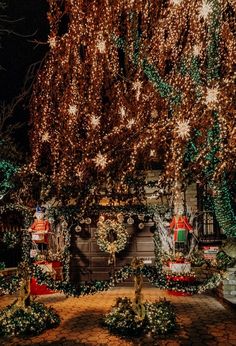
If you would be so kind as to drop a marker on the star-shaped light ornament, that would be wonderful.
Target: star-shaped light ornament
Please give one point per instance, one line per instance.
(183, 129)
(100, 160)
(52, 42)
(130, 123)
(152, 152)
(72, 110)
(122, 112)
(45, 137)
(212, 96)
(137, 86)
(101, 45)
(95, 121)
(205, 10)
(79, 173)
(154, 114)
(176, 2)
(197, 50)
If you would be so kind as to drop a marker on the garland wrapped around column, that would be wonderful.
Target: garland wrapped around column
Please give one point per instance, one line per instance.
(134, 319)
(223, 210)
(138, 306)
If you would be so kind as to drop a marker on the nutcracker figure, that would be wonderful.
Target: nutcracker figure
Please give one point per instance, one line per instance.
(181, 227)
(40, 227)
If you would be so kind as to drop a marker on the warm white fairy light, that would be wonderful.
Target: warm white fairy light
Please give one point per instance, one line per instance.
(137, 86)
(68, 99)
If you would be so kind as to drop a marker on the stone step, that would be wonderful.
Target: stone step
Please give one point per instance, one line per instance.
(233, 269)
(231, 299)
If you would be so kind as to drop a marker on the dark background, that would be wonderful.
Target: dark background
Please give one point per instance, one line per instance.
(28, 20)
(21, 23)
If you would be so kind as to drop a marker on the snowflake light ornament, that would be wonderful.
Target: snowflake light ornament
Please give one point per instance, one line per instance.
(130, 123)
(152, 153)
(45, 137)
(101, 45)
(205, 10)
(72, 110)
(212, 96)
(122, 112)
(197, 50)
(176, 2)
(183, 129)
(154, 114)
(79, 173)
(95, 121)
(100, 160)
(52, 42)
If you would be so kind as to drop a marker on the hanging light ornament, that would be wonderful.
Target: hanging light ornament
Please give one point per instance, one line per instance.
(141, 225)
(130, 221)
(120, 217)
(78, 229)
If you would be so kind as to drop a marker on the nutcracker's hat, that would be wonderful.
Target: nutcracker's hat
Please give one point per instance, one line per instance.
(40, 209)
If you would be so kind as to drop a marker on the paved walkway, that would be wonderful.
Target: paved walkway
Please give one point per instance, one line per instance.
(202, 321)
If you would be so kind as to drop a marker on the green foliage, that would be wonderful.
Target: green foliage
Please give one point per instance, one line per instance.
(224, 211)
(10, 239)
(159, 318)
(7, 171)
(197, 259)
(213, 63)
(9, 284)
(123, 320)
(224, 261)
(29, 321)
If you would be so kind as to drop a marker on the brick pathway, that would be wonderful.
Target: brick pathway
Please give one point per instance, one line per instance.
(202, 321)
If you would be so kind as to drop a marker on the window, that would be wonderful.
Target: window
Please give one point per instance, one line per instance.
(207, 224)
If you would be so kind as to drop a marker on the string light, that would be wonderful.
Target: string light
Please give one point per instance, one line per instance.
(94, 101)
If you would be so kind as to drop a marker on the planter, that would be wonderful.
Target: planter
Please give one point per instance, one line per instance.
(186, 279)
(37, 290)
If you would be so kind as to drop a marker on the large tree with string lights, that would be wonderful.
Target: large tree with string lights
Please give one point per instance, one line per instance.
(126, 80)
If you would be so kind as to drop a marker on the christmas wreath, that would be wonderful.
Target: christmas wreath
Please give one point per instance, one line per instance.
(115, 246)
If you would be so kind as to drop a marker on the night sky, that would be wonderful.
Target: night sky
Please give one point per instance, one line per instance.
(28, 19)
(17, 53)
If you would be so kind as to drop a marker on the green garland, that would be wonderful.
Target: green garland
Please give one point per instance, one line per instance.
(224, 261)
(157, 278)
(154, 276)
(29, 321)
(223, 210)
